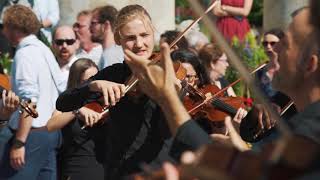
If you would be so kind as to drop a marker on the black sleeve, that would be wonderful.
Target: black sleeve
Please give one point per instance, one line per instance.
(190, 136)
(75, 98)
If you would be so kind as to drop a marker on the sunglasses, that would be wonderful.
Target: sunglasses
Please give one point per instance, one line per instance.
(265, 43)
(60, 42)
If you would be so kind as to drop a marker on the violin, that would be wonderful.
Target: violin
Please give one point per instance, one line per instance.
(98, 106)
(24, 104)
(201, 103)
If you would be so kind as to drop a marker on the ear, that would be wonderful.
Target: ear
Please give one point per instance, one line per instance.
(212, 65)
(312, 65)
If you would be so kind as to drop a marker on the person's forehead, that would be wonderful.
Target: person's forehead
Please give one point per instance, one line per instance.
(300, 26)
(65, 33)
(135, 25)
(271, 37)
(84, 18)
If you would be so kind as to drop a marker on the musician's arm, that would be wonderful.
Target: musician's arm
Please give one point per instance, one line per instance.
(75, 98)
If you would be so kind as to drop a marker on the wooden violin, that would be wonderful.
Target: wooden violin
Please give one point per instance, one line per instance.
(216, 109)
(24, 105)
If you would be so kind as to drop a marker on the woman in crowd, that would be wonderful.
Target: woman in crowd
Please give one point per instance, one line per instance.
(79, 157)
(215, 63)
(232, 18)
(270, 39)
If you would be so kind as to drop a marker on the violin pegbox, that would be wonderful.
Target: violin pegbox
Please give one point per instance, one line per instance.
(26, 106)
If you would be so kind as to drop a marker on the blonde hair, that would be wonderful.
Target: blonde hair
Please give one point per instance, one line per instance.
(127, 14)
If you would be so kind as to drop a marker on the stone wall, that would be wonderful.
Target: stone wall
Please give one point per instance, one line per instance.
(161, 11)
(276, 13)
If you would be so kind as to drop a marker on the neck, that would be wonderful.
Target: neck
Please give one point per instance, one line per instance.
(310, 95)
(88, 45)
(108, 40)
(62, 62)
(213, 76)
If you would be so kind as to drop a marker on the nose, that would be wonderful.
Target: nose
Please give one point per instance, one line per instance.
(139, 42)
(64, 44)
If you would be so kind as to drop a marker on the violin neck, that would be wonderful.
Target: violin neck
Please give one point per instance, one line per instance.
(217, 103)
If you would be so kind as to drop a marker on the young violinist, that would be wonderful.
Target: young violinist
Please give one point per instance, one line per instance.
(79, 156)
(137, 133)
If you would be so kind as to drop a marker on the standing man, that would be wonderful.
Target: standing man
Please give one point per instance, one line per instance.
(102, 22)
(48, 13)
(65, 45)
(36, 76)
(88, 48)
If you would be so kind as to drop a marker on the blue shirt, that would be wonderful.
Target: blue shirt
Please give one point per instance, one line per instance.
(36, 75)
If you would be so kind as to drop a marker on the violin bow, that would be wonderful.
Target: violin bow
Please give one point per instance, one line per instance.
(236, 63)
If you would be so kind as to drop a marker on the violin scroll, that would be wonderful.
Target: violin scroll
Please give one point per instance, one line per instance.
(31, 110)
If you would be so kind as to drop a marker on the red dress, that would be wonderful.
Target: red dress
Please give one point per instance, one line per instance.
(231, 26)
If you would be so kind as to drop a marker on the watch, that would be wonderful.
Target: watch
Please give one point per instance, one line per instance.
(16, 143)
(76, 113)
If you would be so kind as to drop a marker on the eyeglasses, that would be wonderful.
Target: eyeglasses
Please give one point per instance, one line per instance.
(191, 77)
(60, 42)
(78, 25)
(93, 23)
(265, 43)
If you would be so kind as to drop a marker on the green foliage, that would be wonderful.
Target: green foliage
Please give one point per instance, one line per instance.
(256, 14)
(252, 56)
(182, 3)
(6, 62)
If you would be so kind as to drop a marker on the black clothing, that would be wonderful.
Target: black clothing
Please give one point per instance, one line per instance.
(81, 153)
(136, 132)
(307, 122)
(190, 136)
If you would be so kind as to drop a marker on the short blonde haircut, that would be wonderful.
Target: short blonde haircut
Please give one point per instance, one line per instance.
(126, 15)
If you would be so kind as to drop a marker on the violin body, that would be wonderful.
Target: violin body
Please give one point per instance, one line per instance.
(215, 109)
(5, 81)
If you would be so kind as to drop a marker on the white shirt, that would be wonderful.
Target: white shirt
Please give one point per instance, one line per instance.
(35, 75)
(94, 54)
(66, 68)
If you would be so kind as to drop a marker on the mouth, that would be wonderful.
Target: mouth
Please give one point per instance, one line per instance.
(141, 52)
